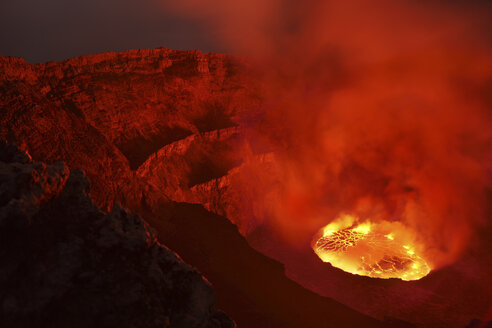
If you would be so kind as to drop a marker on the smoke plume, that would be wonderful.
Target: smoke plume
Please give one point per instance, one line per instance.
(379, 109)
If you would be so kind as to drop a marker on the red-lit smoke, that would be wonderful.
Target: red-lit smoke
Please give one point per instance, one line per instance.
(381, 109)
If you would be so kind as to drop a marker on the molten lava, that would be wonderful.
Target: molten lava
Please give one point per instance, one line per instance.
(370, 249)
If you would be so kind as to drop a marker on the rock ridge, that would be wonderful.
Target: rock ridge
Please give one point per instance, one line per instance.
(65, 263)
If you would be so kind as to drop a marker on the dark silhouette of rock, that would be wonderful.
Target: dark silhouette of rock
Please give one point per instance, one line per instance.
(64, 263)
(476, 323)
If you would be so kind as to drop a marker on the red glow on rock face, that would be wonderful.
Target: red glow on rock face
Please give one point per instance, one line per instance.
(380, 110)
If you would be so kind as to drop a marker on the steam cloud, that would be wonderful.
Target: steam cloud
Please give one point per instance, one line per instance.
(378, 109)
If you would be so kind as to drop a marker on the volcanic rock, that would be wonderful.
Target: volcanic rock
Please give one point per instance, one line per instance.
(67, 264)
(199, 158)
(124, 106)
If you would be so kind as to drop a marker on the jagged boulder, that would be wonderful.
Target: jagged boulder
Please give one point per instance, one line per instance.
(65, 263)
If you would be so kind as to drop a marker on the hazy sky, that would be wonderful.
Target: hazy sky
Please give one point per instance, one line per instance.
(44, 30)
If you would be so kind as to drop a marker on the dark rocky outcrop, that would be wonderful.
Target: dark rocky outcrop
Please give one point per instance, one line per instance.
(64, 263)
(476, 323)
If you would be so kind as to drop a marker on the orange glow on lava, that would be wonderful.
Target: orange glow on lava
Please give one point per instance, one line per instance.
(370, 249)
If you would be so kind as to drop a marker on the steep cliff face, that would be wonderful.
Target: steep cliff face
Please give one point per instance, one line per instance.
(199, 158)
(66, 263)
(231, 195)
(124, 106)
(141, 100)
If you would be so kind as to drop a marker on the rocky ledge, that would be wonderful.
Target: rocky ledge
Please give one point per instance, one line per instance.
(65, 263)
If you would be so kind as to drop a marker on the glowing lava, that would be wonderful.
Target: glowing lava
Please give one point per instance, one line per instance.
(370, 249)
